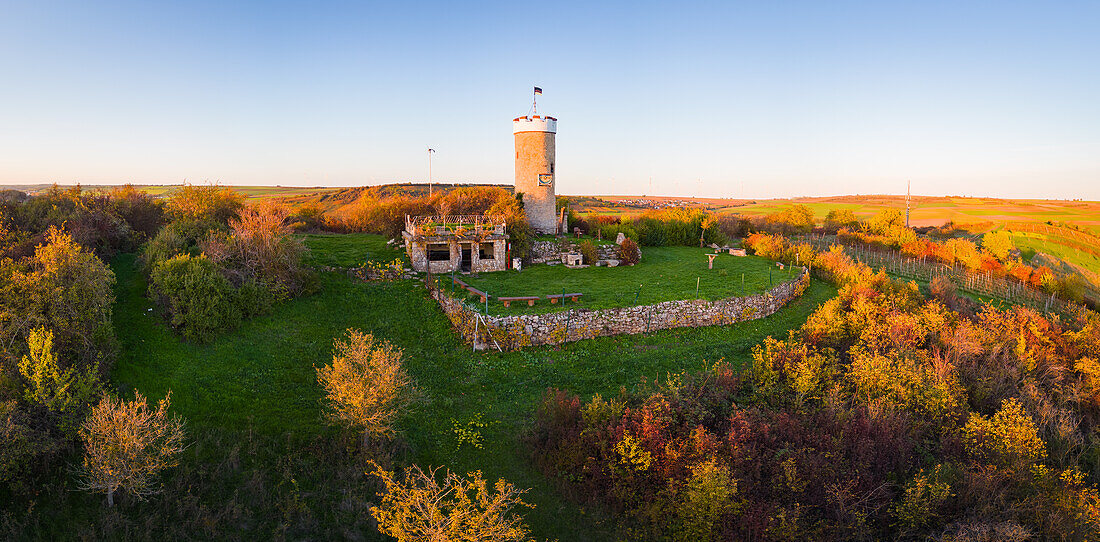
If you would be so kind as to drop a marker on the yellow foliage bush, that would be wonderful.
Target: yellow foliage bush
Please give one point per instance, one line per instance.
(419, 507)
(632, 455)
(1009, 438)
(907, 382)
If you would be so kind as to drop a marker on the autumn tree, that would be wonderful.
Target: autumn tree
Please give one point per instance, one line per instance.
(705, 225)
(205, 203)
(420, 507)
(884, 221)
(126, 444)
(522, 235)
(840, 218)
(961, 251)
(797, 218)
(998, 243)
(366, 385)
(708, 494)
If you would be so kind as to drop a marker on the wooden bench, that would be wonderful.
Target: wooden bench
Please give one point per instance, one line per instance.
(530, 299)
(484, 296)
(554, 298)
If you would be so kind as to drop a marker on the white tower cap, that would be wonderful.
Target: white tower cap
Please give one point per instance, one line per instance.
(534, 124)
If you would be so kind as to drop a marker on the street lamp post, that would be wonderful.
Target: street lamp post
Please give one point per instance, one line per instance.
(430, 151)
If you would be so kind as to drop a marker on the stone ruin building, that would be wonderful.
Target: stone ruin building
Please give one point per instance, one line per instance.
(469, 244)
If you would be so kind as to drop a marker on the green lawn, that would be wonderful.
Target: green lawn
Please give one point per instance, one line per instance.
(349, 250)
(261, 462)
(664, 274)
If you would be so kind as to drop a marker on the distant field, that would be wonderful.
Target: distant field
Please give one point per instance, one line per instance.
(924, 211)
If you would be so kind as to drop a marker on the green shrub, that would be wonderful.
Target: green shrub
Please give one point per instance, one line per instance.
(611, 231)
(178, 237)
(254, 298)
(588, 250)
(199, 299)
(308, 218)
(66, 289)
(29, 446)
(923, 497)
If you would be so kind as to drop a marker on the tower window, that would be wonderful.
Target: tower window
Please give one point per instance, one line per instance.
(551, 168)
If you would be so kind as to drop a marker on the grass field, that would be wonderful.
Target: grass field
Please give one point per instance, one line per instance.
(1032, 243)
(262, 463)
(349, 250)
(664, 274)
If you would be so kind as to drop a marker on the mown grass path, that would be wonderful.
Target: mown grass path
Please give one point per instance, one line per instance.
(258, 383)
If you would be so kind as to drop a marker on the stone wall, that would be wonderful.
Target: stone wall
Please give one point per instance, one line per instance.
(547, 251)
(372, 272)
(515, 332)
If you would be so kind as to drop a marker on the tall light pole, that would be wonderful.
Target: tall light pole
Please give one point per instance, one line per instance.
(430, 151)
(908, 185)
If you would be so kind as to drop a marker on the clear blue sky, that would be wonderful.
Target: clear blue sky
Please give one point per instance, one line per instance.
(761, 99)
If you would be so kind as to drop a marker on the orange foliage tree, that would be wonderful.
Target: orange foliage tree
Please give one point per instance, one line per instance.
(126, 444)
(366, 385)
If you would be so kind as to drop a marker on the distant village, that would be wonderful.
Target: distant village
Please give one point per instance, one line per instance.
(655, 204)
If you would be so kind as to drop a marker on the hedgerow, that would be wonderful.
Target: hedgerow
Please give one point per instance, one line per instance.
(885, 416)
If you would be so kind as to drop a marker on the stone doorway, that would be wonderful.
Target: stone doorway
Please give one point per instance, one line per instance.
(467, 258)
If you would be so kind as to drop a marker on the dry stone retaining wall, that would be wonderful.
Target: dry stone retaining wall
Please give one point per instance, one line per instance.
(545, 251)
(515, 332)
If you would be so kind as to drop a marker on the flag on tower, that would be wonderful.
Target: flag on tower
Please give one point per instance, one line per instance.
(538, 90)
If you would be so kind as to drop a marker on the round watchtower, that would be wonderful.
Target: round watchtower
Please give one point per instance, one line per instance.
(535, 169)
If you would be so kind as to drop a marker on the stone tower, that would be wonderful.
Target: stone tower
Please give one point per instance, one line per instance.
(535, 169)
